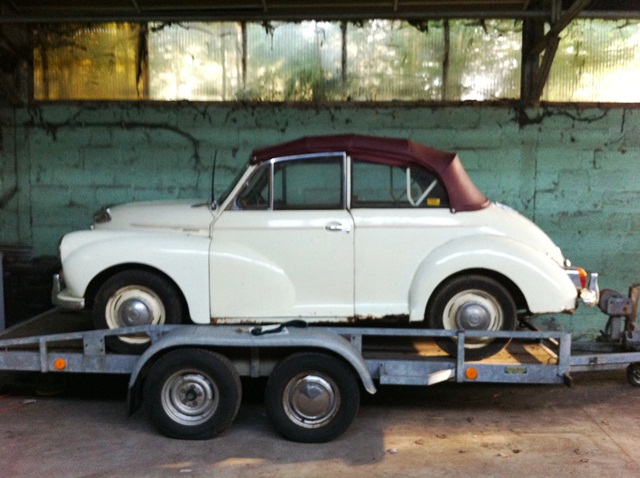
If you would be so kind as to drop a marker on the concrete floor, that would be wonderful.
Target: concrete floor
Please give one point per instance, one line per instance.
(81, 430)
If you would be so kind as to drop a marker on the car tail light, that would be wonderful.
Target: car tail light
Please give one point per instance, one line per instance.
(578, 276)
(583, 276)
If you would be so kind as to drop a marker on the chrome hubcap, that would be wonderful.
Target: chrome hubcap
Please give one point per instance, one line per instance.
(135, 312)
(190, 398)
(473, 309)
(131, 306)
(311, 400)
(473, 316)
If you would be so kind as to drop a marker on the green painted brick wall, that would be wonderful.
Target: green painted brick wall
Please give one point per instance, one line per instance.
(575, 172)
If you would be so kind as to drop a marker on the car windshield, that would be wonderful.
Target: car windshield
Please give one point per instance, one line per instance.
(223, 197)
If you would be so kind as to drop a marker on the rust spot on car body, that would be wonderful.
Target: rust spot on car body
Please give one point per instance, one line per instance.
(364, 320)
(372, 320)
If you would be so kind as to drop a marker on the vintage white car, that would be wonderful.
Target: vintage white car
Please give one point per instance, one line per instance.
(330, 229)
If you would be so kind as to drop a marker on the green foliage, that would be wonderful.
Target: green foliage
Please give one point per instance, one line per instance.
(311, 61)
(597, 61)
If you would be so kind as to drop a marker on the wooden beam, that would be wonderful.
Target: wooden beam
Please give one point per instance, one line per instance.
(542, 74)
(532, 32)
(535, 70)
(571, 14)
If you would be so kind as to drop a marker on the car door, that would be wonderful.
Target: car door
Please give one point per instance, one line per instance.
(401, 213)
(284, 247)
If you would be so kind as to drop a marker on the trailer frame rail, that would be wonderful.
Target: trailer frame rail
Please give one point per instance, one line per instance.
(86, 352)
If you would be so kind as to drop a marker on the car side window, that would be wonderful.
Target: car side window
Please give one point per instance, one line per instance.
(309, 183)
(377, 185)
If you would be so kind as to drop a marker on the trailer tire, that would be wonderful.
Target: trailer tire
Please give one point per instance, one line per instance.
(472, 302)
(312, 397)
(135, 297)
(192, 394)
(633, 374)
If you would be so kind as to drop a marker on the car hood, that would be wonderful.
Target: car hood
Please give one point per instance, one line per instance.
(186, 216)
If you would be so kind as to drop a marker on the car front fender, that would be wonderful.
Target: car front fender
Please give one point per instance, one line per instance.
(183, 258)
(543, 282)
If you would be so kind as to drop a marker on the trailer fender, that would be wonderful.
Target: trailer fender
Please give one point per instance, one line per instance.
(219, 337)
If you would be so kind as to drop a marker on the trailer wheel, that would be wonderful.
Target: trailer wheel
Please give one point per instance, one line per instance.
(472, 303)
(192, 394)
(633, 374)
(132, 298)
(312, 397)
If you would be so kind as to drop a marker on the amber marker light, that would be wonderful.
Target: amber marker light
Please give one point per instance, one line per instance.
(471, 373)
(60, 364)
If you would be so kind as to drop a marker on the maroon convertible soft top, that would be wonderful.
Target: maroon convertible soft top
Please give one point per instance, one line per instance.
(463, 194)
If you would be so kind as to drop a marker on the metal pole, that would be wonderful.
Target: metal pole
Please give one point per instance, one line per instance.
(2, 321)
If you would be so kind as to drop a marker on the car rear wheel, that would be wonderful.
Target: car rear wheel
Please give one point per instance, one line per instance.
(472, 303)
(133, 298)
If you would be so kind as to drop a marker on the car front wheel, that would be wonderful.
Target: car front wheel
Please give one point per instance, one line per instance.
(472, 303)
(133, 298)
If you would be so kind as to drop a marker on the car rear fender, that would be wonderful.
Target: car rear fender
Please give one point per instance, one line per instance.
(541, 280)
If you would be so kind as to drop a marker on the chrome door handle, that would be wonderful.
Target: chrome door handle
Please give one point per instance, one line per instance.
(335, 226)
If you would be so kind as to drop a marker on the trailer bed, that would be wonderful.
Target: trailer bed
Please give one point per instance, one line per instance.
(393, 355)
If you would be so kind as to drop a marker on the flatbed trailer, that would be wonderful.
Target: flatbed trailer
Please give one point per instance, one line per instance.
(189, 377)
